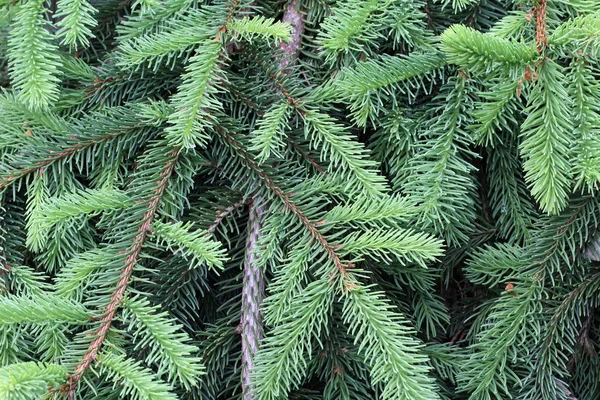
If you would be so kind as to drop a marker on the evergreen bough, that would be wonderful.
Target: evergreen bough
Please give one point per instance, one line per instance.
(304, 199)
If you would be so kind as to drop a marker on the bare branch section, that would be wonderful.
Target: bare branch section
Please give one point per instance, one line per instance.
(294, 17)
(253, 281)
(540, 30)
(252, 296)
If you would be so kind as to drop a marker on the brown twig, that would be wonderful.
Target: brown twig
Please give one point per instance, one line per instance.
(294, 17)
(221, 215)
(540, 29)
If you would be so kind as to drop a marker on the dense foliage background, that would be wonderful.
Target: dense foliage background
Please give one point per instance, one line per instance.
(313, 199)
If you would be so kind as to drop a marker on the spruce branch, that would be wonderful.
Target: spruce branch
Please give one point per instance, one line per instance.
(33, 57)
(281, 361)
(285, 199)
(540, 26)
(560, 340)
(169, 347)
(484, 53)
(195, 245)
(40, 309)
(253, 285)
(136, 382)
(76, 23)
(586, 111)
(69, 206)
(221, 215)
(69, 147)
(266, 28)
(132, 255)
(30, 380)
(387, 346)
(547, 141)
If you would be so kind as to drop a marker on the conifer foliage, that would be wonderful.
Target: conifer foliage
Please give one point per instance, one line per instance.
(303, 199)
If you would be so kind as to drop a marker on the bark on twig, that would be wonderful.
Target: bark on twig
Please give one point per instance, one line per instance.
(252, 295)
(253, 280)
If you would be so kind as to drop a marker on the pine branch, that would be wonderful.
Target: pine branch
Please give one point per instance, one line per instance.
(34, 61)
(498, 113)
(387, 346)
(30, 380)
(285, 199)
(136, 382)
(195, 245)
(492, 266)
(132, 255)
(440, 179)
(511, 204)
(347, 157)
(169, 347)
(548, 140)
(370, 212)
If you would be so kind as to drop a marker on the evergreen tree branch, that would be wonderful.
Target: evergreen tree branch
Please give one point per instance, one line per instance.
(285, 198)
(387, 346)
(281, 362)
(483, 53)
(77, 22)
(195, 245)
(34, 61)
(30, 380)
(169, 347)
(253, 280)
(132, 255)
(548, 139)
(83, 136)
(135, 381)
(540, 26)
(221, 215)
(560, 340)
(40, 309)
(68, 206)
